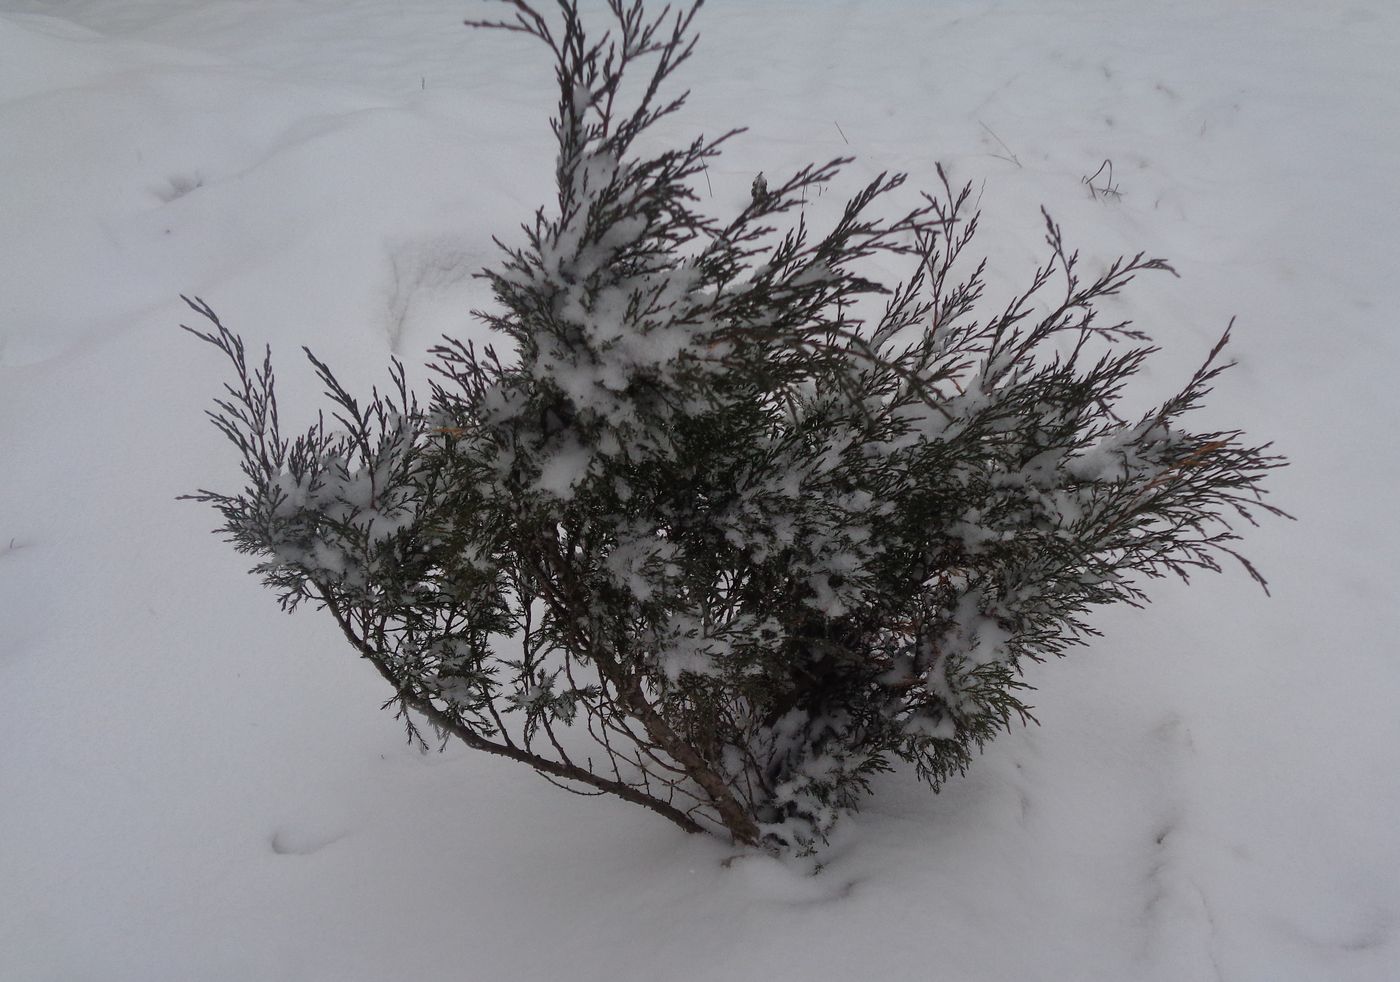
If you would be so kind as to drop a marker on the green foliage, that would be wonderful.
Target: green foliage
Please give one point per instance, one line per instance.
(734, 522)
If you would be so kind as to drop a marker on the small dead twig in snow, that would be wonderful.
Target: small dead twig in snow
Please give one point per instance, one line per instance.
(1009, 157)
(1109, 189)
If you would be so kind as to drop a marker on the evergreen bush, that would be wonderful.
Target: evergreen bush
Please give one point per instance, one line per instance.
(733, 523)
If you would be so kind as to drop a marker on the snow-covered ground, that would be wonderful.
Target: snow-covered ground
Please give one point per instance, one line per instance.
(194, 786)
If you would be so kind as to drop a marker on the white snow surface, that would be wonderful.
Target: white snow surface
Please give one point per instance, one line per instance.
(196, 786)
